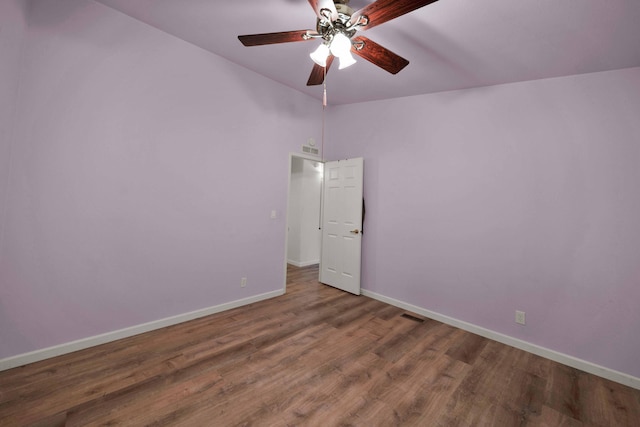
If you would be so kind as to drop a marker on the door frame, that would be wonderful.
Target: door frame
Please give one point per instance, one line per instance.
(286, 230)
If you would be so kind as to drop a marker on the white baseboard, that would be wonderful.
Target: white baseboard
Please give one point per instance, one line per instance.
(46, 353)
(303, 263)
(571, 361)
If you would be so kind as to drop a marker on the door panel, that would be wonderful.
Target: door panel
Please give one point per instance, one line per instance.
(342, 225)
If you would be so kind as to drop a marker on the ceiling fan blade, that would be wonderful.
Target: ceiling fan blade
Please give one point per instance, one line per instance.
(378, 55)
(382, 11)
(273, 38)
(318, 72)
(318, 5)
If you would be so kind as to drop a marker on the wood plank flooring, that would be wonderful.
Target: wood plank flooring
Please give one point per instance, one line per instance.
(314, 357)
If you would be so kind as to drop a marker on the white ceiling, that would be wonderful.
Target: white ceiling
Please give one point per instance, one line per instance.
(451, 44)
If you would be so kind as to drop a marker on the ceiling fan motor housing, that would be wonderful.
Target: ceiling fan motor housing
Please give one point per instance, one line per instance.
(328, 29)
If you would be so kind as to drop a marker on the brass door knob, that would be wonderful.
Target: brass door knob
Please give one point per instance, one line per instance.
(356, 231)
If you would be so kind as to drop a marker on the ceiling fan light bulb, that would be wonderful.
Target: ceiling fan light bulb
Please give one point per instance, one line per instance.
(340, 45)
(346, 61)
(320, 55)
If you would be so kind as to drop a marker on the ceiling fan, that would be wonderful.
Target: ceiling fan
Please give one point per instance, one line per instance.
(336, 26)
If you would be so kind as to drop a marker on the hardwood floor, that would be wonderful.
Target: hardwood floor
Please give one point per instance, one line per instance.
(313, 357)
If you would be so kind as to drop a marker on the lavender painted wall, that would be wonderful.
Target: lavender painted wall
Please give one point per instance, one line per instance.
(515, 197)
(143, 177)
(12, 32)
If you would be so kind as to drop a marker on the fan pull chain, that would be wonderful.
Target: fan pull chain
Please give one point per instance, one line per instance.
(324, 104)
(324, 96)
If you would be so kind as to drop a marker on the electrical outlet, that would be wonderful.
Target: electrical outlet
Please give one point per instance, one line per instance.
(520, 317)
(243, 282)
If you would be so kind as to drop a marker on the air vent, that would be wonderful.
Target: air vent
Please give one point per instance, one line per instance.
(310, 150)
(410, 317)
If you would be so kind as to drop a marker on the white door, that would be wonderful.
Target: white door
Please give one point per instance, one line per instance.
(342, 224)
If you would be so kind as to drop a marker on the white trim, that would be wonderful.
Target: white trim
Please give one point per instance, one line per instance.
(303, 263)
(565, 359)
(81, 344)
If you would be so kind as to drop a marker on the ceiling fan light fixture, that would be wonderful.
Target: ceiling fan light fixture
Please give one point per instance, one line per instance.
(346, 61)
(340, 45)
(319, 56)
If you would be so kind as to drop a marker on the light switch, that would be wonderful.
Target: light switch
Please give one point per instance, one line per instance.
(274, 214)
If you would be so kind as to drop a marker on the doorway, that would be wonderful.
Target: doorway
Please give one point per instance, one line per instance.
(303, 211)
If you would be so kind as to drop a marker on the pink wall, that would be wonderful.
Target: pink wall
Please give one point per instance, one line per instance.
(144, 172)
(515, 197)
